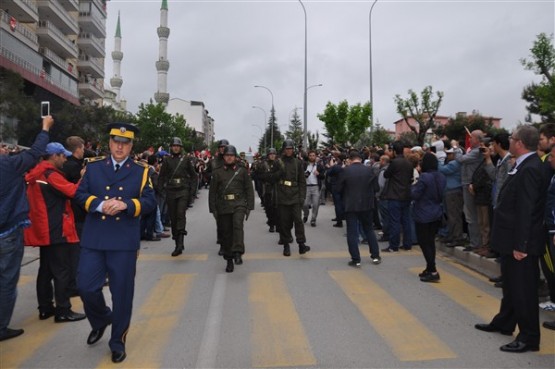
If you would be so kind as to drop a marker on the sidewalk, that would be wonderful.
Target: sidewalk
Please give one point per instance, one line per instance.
(482, 265)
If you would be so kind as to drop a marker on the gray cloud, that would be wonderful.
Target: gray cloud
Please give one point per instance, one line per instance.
(219, 50)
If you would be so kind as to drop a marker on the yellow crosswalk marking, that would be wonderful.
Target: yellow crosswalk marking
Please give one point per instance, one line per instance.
(407, 337)
(163, 257)
(278, 337)
(481, 304)
(15, 352)
(311, 255)
(158, 316)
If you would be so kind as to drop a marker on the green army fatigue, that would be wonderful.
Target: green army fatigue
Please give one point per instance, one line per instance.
(230, 198)
(175, 175)
(215, 164)
(291, 193)
(269, 174)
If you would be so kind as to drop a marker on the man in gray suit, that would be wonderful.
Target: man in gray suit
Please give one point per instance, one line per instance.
(356, 184)
(470, 162)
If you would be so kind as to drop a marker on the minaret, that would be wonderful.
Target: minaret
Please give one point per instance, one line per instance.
(162, 65)
(117, 56)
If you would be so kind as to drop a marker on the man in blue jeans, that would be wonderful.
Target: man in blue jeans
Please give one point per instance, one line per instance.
(356, 184)
(14, 209)
(397, 193)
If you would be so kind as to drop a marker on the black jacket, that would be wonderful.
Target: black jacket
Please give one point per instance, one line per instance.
(357, 183)
(399, 175)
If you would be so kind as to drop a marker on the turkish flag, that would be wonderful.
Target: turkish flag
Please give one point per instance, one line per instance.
(13, 23)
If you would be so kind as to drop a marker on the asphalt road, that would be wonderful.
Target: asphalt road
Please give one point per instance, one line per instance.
(273, 311)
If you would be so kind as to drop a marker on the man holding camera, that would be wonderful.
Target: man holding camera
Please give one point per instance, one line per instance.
(314, 173)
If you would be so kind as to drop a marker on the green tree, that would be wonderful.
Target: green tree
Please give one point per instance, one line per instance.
(541, 96)
(19, 113)
(267, 136)
(380, 136)
(422, 109)
(295, 129)
(345, 124)
(158, 128)
(454, 129)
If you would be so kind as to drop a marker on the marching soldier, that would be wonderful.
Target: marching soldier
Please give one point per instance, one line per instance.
(231, 198)
(269, 174)
(217, 163)
(291, 193)
(175, 176)
(115, 192)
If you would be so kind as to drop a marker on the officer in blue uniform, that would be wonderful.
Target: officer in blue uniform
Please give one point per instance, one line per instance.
(114, 191)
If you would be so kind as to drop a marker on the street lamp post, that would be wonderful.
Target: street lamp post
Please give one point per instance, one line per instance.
(305, 137)
(262, 132)
(370, 62)
(272, 112)
(265, 122)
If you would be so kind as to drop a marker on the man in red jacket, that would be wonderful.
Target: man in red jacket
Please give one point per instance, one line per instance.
(53, 229)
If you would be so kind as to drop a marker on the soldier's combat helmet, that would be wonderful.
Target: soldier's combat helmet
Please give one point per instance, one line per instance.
(223, 142)
(230, 150)
(176, 141)
(288, 144)
(271, 151)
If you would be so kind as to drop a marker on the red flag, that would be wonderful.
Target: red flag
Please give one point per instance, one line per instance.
(467, 141)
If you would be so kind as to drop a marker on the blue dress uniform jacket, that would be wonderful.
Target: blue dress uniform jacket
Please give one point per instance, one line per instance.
(131, 185)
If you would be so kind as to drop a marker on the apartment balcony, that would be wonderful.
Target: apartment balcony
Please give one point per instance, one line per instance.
(24, 11)
(54, 39)
(91, 88)
(93, 22)
(54, 12)
(70, 5)
(38, 76)
(101, 5)
(92, 66)
(59, 62)
(18, 30)
(91, 45)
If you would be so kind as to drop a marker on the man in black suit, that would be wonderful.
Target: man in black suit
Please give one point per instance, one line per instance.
(518, 236)
(356, 186)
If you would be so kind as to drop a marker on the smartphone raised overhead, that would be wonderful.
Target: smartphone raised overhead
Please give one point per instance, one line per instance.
(44, 109)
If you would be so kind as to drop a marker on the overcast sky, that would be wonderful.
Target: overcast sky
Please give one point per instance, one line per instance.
(218, 50)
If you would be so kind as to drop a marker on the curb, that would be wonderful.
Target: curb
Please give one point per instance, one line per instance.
(480, 264)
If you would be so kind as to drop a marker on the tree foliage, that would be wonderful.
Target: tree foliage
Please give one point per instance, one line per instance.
(541, 96)
(345, 124)
(422, 109)
(265, 141)
(295, 129)
(455, 127)
(158, 128)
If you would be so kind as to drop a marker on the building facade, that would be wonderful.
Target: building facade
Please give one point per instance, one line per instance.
(196, 117)
(440, 120)
(57, 46)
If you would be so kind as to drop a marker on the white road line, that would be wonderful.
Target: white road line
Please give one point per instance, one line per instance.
(211, 336)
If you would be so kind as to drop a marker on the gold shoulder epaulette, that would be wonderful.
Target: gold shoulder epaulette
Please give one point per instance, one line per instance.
(96, 158)
(142, 164)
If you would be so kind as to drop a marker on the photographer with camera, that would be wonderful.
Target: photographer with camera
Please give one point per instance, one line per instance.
(314, 174)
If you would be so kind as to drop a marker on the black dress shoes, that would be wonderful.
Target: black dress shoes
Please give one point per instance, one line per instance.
(118, 356)
(549, 325)
(496, 279)
(491, 328)
(518, 346)
(11, 333)
(43, 315)
(70, 316)
(303, 249)
(95, 335)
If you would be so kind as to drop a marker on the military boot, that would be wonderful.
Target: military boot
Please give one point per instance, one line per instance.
(179, 247)
(238, 259)
(229, 268)
(286, 250)
(303, 248)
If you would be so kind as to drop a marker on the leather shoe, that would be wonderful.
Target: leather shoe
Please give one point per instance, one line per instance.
(118, 356)
(43, 315)
(549, 325)
(11, 333)
(96, 335)
(491, 328)
(229, 268)
(303, 249)
(70, 316)
(518, 346)
(238, 259)
(496, 279)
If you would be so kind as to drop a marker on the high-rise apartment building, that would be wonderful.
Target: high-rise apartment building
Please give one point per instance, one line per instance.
(57, 46)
